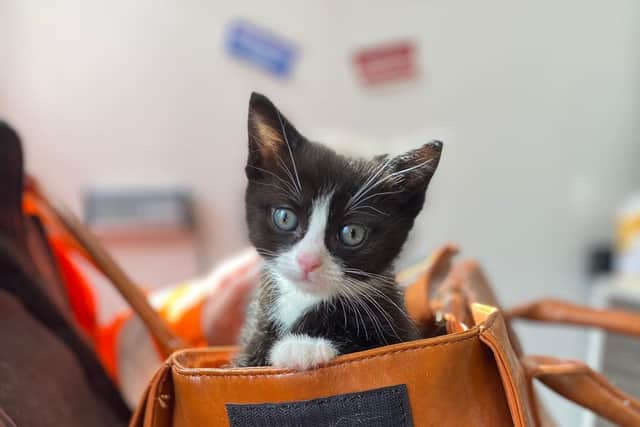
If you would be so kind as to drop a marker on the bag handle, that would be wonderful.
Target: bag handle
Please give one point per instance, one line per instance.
(556, 311)
(427, 275)
(579, 383)
(89, 247)
(573, 380)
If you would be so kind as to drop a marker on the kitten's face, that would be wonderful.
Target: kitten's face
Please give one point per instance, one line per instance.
(325, 223)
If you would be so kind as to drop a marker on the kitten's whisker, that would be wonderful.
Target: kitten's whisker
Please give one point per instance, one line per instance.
(287, 193)
(403, 171)
(292, 191)
(284, 182)
(371, 196)
(286, 140)
(344, 312)
(364, 324)
(366, 187)
(357, 208)
(364, 300)
(379, 308)
(377, 327)
(359, 316)
(357, 270)
(349, 300)
(398, 176)
(286, 170)
(294, 188)
(376, 320)
(395, 176)
(391, 176)
(378, 324)
(381, 294)
(363, 189)
(360, 298)
(385, 278)
(400, 310)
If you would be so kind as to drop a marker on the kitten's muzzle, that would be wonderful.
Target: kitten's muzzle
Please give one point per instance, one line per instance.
(308, 263)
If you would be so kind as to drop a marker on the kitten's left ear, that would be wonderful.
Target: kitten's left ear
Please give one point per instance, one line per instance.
(414, 169)
(271, 136)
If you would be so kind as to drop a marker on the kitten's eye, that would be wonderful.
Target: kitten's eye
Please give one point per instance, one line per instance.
(285, 219)
(352, 234)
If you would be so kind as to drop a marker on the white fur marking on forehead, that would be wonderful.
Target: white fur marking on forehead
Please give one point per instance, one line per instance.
(317, 222)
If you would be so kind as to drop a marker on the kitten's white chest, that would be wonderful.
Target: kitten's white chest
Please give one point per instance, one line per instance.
(291, 303)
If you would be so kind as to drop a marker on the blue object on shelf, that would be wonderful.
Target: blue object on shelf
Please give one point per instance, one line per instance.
(260, 47)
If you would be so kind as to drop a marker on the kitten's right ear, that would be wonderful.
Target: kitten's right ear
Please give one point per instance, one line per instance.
(271, 137)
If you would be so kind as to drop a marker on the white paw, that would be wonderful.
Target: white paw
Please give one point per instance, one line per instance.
(301, 352)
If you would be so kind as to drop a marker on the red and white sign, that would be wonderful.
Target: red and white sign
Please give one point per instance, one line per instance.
(386, 63)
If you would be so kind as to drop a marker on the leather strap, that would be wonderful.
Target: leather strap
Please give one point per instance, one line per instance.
(579, 383)
(90, 248)
(573, 380)
(417, 296)
(556, 311)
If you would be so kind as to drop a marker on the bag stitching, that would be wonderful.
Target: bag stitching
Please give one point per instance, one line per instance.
(160, 386)
(327, 400)
(512, 382)
(179, 371)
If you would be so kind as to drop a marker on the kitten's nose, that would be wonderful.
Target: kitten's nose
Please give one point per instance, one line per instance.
(309, 262)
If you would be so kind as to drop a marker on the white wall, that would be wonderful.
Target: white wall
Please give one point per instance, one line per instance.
(539, 101)
(5, 30)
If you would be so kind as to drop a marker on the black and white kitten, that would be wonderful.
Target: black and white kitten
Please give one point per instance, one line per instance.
(329, 229)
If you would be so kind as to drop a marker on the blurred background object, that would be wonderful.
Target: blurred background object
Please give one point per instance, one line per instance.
(261, 48)
(389, 62)
(614, 355)
(537, 102)
(151, 231)
(628, 237)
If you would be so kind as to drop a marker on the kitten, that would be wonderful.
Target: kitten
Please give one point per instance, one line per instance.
(329, 229)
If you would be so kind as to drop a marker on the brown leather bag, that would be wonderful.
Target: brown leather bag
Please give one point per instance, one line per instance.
(475, 374)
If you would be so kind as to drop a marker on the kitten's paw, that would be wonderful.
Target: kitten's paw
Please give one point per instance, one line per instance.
(301, 352)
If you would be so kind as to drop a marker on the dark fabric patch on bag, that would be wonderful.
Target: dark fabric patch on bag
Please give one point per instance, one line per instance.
(383, 407)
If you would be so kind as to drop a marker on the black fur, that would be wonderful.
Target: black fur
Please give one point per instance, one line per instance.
(389, 216)
(337, 321)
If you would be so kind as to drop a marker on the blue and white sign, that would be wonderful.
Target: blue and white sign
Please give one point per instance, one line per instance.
(262, 48)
